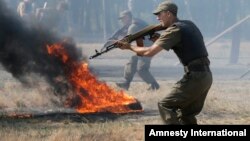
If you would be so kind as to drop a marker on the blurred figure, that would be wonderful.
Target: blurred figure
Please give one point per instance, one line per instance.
(56, 19)
(123, 31)
(26, 9)
(137, 64)
(188, 95)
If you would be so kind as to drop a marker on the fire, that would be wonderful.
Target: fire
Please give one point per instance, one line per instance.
(94, 95)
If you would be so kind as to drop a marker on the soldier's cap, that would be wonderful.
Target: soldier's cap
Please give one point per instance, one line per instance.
(166, 6)
(125, 13)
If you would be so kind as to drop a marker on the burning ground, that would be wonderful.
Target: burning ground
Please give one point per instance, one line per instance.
(227, 102)
(32, 54)
(31, 81)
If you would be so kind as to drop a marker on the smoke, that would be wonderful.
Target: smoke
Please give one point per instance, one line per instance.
(23, 52)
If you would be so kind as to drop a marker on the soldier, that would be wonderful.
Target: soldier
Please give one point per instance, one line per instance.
(55, 18)
(26, 9)
(187, 97)
(137, 64)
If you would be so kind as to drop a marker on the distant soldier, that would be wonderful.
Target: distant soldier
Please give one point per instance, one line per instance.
(120, 33)
(26, 9)
(137, 64)
(56, 18)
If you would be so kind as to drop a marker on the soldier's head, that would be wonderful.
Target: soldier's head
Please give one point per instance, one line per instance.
(126, 17)
(166, 13)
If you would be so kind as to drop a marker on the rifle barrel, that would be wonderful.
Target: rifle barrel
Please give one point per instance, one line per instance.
(149, 30)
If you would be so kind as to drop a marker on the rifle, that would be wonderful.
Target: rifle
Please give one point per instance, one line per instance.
(244, 74)
(119, 33)
(149, 30)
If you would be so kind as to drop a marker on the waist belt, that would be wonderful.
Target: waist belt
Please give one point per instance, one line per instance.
(199, 61)
(196, 68)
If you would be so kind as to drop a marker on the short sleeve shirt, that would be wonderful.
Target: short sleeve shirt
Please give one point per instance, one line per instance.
(169, 38)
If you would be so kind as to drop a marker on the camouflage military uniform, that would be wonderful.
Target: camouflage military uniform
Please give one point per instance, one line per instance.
(187, 97)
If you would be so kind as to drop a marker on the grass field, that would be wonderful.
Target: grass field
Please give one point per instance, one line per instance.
(227, 103)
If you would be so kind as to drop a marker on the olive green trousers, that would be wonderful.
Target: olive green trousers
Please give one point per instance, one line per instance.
(186, 99)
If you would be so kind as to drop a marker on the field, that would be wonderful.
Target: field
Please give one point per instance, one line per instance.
(227, 102)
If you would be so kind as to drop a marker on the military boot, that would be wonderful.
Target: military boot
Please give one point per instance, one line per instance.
(153, 86)
(123, 85)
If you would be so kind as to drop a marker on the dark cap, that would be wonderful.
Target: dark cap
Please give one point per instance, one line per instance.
(166, 6)
(125, 13)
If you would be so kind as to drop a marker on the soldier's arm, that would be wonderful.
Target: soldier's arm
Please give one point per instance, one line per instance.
(169, 38)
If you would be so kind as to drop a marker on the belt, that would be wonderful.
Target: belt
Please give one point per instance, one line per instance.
(199, 61)
(196, 68)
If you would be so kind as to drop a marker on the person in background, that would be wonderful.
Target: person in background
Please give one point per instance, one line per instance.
(136, 63)
(26, 9)
(188, 95)
(55, 18)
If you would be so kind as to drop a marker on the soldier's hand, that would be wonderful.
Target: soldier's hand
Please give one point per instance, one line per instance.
(123, 45)
(154, 37)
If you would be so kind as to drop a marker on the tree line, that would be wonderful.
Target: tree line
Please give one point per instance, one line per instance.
(212, 16)
(97, 19)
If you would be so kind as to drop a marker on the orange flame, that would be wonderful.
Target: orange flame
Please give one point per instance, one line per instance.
(95, 96)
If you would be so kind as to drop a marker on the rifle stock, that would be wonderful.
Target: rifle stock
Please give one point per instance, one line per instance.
(149, 30)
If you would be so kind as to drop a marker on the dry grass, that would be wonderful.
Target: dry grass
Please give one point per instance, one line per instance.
(15, 95)
(227, 103)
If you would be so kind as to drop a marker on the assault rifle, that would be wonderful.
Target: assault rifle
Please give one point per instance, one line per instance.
(119, 33)
(244, 74)
(149, 30)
